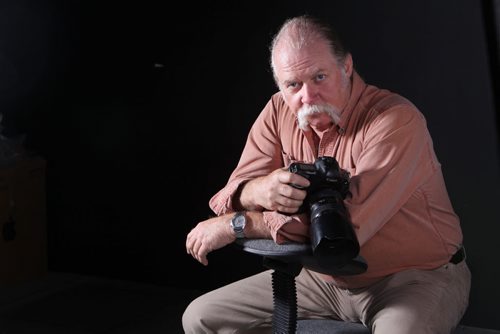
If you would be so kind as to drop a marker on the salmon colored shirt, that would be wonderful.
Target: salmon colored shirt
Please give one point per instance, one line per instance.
(399, 206)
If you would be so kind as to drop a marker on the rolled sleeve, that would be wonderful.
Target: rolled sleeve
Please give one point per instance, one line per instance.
(286, 228)
(222, 202)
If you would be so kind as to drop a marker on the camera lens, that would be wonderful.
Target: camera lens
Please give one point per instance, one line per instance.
(332, 236)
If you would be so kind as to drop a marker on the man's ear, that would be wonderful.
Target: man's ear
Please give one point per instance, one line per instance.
(348, 65)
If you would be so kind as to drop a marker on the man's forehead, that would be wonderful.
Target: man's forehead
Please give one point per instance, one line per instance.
(289, 69)
(299, 75)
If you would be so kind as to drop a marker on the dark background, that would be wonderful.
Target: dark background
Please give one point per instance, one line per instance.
(141, 111)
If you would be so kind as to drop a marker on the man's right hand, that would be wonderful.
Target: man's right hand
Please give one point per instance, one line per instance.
(274, 192)
(209, 235)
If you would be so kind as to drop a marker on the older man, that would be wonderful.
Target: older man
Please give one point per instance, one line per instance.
(417, 279)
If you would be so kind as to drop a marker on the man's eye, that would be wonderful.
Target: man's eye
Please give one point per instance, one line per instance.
(292, 85)
(320, 77)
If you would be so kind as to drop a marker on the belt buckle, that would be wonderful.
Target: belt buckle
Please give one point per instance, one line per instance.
(459, 256)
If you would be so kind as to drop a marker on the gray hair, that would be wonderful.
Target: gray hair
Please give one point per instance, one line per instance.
(298, 32)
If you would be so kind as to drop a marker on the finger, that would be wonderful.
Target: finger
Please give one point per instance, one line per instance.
(298, 194)
(189, 243)
(298, 180)
(286, 209)
(293, 193)
(285, 177)
(289, 203)
(196, 247)
(202, 255)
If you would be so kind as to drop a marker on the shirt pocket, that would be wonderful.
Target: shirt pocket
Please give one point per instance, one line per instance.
(287, 159)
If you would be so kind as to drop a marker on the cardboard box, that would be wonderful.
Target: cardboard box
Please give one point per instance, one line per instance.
(23, 233)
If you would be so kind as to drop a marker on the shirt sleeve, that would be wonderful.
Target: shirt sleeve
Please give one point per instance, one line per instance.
(396, 158)
(262, 155)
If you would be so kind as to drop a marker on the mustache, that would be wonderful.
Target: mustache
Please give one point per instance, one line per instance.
(307, 110)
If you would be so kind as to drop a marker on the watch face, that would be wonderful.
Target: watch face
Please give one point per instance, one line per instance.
(239, 221)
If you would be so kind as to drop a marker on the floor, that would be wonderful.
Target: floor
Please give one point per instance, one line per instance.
(63, 303)
(72, 304)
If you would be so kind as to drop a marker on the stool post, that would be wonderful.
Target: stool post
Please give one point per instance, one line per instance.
(284, 294)
(287, 260)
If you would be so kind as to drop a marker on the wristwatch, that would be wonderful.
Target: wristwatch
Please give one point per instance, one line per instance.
(238, 223)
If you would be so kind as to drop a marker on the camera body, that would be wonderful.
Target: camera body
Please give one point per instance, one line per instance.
(332, 236)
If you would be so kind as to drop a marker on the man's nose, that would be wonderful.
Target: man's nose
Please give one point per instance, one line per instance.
(309, 94)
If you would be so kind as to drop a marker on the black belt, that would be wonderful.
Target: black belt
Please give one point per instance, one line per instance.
(459, 256)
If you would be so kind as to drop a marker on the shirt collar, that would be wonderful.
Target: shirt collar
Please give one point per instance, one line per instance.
(358, 86)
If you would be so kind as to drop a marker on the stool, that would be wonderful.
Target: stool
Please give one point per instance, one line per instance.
(323, 326)
(286, 261)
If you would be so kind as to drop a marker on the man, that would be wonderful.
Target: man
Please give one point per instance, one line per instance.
(417, 279)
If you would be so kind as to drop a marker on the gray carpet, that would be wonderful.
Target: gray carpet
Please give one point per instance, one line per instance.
(64, 303)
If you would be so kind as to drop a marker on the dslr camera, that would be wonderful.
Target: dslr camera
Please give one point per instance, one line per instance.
(333, 239)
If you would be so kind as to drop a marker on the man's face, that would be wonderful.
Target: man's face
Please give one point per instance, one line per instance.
(313, 76)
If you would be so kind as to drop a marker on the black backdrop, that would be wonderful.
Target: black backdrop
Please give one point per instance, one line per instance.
(141, 111)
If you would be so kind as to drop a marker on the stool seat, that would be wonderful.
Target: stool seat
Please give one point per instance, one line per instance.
(300, 253)
(267, 247)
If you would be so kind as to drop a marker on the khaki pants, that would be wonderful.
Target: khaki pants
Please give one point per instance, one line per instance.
(408, 302)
